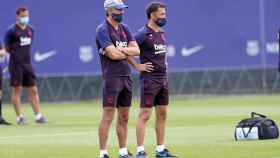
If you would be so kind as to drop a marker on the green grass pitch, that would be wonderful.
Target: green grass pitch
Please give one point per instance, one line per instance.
(197, 128)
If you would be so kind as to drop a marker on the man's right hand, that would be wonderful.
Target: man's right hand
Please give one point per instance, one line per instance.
(2, 53)
(147, 67)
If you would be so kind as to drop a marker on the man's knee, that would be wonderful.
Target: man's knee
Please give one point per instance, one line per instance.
(16, 92)
(123, 117)
(161, 113)
(108, 115)
(33, 91)
(145, 115)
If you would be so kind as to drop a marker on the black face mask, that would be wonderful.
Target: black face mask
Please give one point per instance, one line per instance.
(161, 22)
(117, 17)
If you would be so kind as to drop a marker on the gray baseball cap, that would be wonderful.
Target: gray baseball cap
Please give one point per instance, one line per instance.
(117, 4)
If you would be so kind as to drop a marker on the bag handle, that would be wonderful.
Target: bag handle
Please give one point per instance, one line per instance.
(253, 114)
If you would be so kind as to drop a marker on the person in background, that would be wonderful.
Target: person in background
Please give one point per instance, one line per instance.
(18, 41)
(2, 120)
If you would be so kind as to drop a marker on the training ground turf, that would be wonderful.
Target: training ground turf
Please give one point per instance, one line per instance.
(197, 128)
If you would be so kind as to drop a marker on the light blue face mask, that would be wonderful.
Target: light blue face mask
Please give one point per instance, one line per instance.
(24, 20)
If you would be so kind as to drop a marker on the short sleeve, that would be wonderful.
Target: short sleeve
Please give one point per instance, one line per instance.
(8, 38)
(103, 38)
(32, 30)
(130, 37)
(140, 37)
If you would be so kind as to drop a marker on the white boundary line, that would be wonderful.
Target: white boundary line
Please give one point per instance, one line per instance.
(77, 133)
(46, 135)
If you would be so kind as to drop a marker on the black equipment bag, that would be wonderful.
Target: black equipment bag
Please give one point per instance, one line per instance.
(256, 128)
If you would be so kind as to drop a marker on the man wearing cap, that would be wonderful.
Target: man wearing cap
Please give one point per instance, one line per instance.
(153, 78)
(115, 43)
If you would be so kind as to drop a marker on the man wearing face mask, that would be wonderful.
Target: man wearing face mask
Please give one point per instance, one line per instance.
(2, 120)
(115, 43)
(18, 41)
(153, 78)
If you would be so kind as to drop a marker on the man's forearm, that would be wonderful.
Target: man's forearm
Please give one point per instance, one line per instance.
(114, 53)
(118, 56)
(131, 51)
(132, 62)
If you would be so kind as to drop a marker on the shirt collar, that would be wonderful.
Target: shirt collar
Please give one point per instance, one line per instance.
(150, 30)
(109, 24)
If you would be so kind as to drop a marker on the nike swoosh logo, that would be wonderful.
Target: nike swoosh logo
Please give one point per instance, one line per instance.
(186, 52)
(39, 57)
